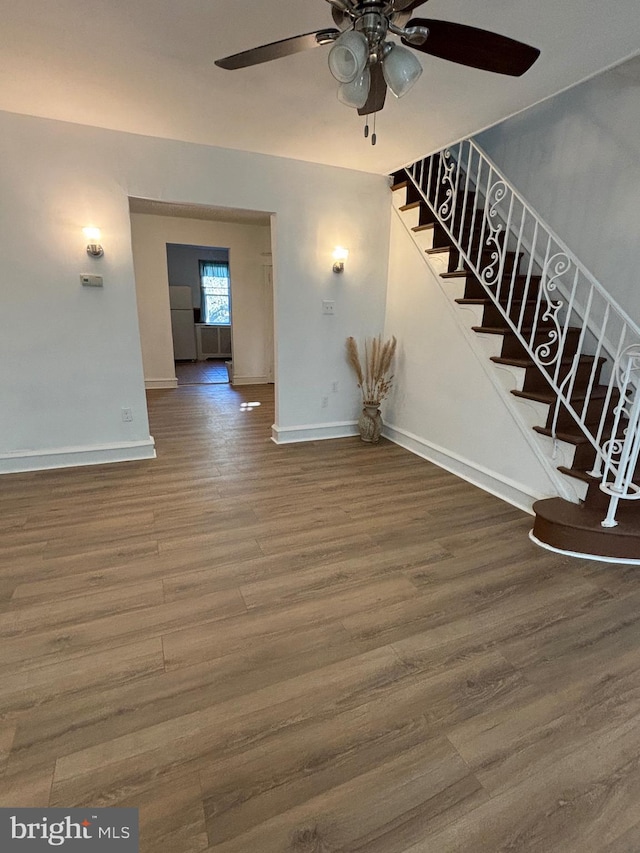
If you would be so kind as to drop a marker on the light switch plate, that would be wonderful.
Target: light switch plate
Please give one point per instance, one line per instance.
(328, 306)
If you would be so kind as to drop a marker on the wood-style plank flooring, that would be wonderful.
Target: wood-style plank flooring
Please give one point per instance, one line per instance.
(321, 648)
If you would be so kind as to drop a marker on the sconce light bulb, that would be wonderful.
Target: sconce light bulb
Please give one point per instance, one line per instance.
(93, 236)
(340, 255)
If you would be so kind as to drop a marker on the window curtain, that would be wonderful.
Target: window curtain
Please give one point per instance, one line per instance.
(214, 269)
(216, 297)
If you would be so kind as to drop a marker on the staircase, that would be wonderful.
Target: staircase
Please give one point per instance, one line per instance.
(575, 352)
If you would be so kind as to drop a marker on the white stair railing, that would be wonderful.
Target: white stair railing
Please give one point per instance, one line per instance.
(585, 345)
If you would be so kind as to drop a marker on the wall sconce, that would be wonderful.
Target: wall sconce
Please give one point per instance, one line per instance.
(340, 255)
(93, 236)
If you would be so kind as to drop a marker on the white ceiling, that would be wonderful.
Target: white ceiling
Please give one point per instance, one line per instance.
(146, 66)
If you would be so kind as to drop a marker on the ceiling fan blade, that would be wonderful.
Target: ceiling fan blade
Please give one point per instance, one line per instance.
(377, 91)
(277, 49)
(475, 48)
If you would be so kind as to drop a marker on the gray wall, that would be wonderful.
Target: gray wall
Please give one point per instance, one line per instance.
(576, 159)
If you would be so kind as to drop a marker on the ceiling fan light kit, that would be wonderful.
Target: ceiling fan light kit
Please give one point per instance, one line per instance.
(355, 93)
(401, 69)
(365, 63)
(348, 56)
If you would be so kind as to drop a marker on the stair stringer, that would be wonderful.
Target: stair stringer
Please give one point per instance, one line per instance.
(524, 414)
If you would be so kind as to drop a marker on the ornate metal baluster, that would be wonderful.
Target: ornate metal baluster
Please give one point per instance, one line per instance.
(548, 351)
(445, 208)
(624, 444)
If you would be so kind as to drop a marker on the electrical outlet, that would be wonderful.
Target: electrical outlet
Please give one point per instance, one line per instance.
(328, 306)
(324, 402)
(127, 415)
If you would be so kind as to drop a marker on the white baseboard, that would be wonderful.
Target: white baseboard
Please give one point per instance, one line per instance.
(314, 432)
(151, 384)
(508, 490)
(72, 457)
(516, 494)
(249, 380)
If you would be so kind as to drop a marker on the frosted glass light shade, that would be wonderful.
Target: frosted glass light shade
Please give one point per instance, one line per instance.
(401, 69)
(348, 56)
(355, 93)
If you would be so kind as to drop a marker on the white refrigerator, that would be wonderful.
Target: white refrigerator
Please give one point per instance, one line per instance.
(183, 326)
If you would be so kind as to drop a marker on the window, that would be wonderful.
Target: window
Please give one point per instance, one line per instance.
(216, 293)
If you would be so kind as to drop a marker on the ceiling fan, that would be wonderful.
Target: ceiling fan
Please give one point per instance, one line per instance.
(365, 63)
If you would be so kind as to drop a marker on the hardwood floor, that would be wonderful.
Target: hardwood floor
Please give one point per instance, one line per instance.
(322, 648)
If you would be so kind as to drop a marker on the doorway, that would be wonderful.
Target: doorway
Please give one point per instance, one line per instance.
(249, 345)
(199, 280)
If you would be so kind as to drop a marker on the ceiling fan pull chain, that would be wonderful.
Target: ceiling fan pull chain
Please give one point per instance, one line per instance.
(366, 127)
(374, 138)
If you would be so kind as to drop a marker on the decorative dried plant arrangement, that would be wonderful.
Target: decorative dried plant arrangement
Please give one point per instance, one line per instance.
(374, 378)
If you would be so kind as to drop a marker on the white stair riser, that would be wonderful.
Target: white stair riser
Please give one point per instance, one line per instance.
(424, 239)
(399, 198)
(439, 262)
(491, 344)
(410, 217)
(511, 377)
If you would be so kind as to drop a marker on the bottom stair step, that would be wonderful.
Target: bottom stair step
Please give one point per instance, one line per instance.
(576, 528)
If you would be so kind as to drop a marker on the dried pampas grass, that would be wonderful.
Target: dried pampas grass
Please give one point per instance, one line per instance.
(373, 377)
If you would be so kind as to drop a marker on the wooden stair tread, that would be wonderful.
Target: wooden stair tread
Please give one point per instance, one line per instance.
(438, 250)
(578, 474)
(410, 205)
(401, 185)
(428, 227)
(521, 277)
(563, 435)
(494, 330)
(513, 361)
(581, 474)
(485, 300)
(484, 252)
(456, 274)
(548, 396)
(577, 528)
(526, 330)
